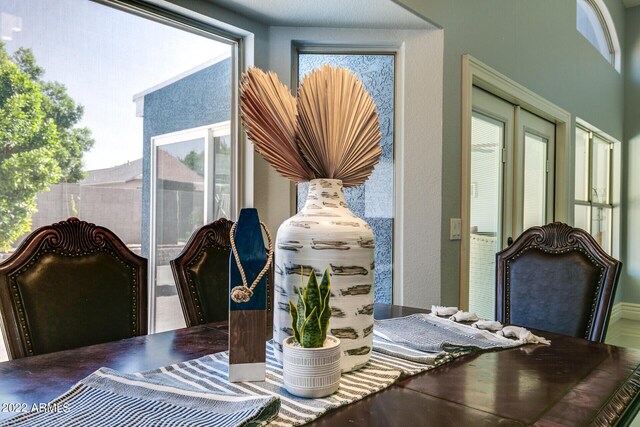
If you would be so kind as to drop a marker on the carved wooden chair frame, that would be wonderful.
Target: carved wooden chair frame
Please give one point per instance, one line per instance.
(216, 235)
(558, 238)
(70, 238)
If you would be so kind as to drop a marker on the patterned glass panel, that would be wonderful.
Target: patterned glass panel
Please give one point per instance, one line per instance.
(372, 201)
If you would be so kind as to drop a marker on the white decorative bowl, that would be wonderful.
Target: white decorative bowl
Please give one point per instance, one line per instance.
(311, 372)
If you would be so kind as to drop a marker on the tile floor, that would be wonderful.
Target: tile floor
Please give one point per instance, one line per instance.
(171, 313)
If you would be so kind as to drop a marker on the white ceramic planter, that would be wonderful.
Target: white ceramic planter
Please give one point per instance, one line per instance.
(326, 234)
(311, 372)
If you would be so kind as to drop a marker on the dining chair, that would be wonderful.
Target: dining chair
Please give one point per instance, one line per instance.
(556, 278)
(71, 284)
(201, 273)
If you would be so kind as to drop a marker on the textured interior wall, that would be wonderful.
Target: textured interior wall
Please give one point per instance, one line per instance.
(631, 159)
(534, 43)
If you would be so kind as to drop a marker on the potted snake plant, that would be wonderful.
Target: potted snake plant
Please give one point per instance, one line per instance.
(311, 359)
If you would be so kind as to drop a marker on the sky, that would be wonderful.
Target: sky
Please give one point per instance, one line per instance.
(103, 56)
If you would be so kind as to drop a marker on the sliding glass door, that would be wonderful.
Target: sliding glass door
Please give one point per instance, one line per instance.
(191, 172)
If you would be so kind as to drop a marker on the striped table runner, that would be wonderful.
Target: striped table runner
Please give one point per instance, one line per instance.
(434, 336)
(197, 392)
(110, 398)
(210, 373)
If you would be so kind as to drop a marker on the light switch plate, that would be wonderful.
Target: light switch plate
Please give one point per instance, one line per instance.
(455, 232)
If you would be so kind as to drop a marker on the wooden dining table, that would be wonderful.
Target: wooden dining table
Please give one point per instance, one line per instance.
(572, 382)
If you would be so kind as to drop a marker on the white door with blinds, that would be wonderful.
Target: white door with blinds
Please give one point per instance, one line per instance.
(511, 187)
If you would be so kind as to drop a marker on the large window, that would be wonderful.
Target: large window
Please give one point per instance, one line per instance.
(594, 206)
(85, 88)
(594, 22)
(374, 200)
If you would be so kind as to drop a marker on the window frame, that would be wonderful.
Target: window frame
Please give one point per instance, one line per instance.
(608, 28)
(241, 44)
(302, 48)
(612, 196)
(241, 54)
(476, 73)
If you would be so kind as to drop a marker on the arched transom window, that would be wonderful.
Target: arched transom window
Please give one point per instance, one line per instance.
(594, 22)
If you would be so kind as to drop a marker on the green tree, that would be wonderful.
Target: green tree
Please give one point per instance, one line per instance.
(65, 112)
(39, 142)
(194, 161)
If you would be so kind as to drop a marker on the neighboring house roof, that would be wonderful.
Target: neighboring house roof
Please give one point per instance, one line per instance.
(126, 172)
(172, 169)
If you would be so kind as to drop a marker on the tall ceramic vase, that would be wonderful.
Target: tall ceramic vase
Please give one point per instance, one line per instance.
(326, 234)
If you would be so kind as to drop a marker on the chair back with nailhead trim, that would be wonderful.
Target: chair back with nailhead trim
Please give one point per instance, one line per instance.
(201, 273)
(68, 285)
(557, 278)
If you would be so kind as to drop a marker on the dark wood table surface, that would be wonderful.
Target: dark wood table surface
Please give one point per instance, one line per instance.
(571, 382)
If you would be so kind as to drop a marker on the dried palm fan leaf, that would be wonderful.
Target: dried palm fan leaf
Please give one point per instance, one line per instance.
(338, 128)
(268, 112)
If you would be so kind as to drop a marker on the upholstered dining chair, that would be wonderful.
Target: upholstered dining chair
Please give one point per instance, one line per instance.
(556, 278)
(201, 273)
(71, 284)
